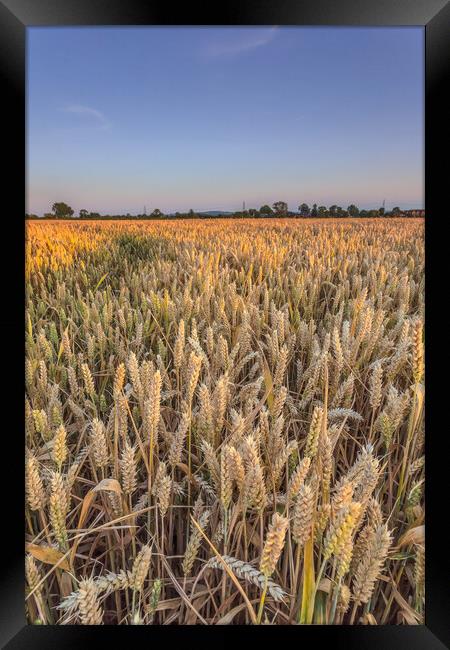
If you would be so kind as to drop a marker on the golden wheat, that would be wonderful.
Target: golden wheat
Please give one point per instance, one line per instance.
(248, 389)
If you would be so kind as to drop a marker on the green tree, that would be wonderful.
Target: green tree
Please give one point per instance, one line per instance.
(381, 211)
(352, 210)
(396, 211)
(83, 214)
(156, 214)
(62, 210)
(322, 211)
(266, 210)
(280, 208)
(304, 210)
(314, 210)
(332, 211)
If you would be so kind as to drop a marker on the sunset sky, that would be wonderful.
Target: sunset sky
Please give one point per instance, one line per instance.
(205, 118)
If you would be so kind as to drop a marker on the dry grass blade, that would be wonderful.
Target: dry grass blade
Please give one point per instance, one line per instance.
(229, 572)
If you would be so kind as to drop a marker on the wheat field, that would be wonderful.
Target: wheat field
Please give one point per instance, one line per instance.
(224, 422)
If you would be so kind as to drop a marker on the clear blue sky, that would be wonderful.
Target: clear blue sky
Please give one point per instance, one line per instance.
(204, 118)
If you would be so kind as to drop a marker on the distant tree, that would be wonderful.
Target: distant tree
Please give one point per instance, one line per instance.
(304, 210)
(322, 211)
(280, 208)
(83, 214)
(156, 214)
(340, 212)
(48, 215)
(191, 214)
(363, 213)
(352, 210)
(62, 210)
(332, 211)
(94, 215)
(396, 211)
(253, 213)
(314, 210)
(373, 213)
(381, 211)
(265, 210)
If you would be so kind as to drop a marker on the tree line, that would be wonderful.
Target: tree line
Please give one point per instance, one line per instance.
(61, 210)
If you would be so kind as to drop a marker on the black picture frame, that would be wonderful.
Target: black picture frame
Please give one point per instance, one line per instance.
(15, 17)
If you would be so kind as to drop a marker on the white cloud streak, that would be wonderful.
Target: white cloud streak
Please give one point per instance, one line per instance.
(244, 43)
(98, 118)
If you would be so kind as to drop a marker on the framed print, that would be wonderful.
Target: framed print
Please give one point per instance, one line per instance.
(228, 323)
